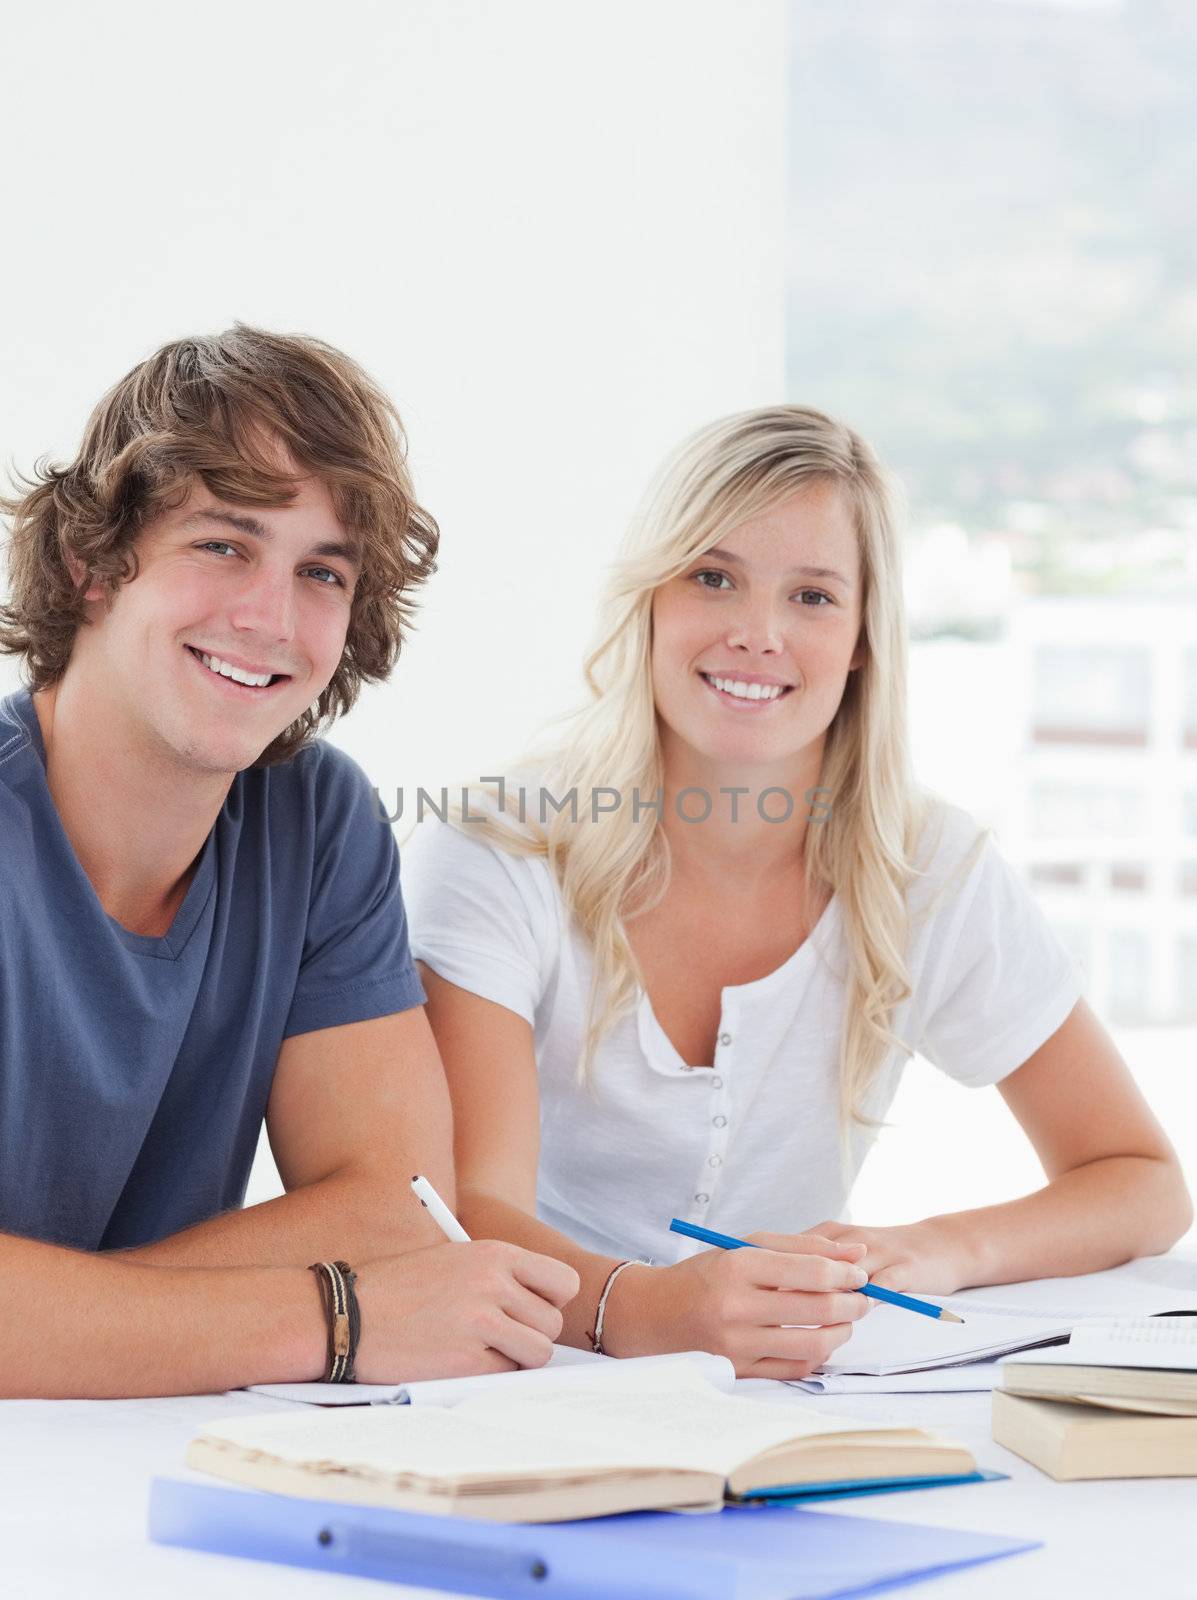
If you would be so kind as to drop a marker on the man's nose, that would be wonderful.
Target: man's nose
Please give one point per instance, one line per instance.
(265, 605)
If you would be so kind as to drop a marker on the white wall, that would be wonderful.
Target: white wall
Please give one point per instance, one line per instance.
(553, 231)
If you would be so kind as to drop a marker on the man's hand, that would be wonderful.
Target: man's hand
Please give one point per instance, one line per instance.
(920, 1255)
(452, 1310)
(775, 1312)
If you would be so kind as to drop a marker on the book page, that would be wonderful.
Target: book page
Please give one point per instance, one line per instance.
(418, 1444)
(1162, 1342)
(676, 1419)
(584, 1372)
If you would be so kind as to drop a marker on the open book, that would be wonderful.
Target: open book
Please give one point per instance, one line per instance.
(657, 1438)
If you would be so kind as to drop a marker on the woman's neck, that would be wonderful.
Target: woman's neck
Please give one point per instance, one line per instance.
(752, 821)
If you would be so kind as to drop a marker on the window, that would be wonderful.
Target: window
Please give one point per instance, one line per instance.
(1128, 876)
(1091, 695)
(1058, 875)
(1061, 810)
(1130, 962)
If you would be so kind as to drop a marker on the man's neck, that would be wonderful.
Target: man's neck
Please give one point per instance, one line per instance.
(137, 820)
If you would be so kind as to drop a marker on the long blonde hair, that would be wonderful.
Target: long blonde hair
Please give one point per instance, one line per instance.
(611, 867)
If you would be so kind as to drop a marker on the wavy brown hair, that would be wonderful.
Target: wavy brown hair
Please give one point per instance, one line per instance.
(217, 409)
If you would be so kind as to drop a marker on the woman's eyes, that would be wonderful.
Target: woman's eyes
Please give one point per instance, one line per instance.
(329, 580)
(713, 572)
(709, 572)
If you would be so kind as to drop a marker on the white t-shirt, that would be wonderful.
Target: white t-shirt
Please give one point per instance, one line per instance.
(751, 1142)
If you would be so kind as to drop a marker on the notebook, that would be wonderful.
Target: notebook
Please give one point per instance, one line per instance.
(659, 1438)
(565, 1367)
(1002, 1319)
(890, 1341)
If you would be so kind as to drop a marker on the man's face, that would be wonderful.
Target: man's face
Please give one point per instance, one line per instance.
(264, 593)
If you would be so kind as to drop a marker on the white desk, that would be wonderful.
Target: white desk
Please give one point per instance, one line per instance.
(74, 1478)
(75, 1475)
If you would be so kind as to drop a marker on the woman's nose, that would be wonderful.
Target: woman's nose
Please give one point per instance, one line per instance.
(756, 626)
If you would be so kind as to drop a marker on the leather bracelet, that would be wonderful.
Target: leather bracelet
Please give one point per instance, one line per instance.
(343, 1316)
(600, 1311)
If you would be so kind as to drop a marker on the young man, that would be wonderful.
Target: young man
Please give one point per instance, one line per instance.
(200, 916)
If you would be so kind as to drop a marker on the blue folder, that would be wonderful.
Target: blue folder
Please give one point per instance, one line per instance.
(739, 1553)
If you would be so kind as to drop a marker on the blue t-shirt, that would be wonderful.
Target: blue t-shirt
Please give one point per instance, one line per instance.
(135, 1071)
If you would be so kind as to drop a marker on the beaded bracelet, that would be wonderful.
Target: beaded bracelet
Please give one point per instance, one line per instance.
(343, 1316)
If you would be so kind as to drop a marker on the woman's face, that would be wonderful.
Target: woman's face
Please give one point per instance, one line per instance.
(753, 642)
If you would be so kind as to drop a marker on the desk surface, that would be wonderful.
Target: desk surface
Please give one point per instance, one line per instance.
(74, 1481)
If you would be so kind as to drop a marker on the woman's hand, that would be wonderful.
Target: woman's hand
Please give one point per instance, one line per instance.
(920, 1255)
(775, 1312)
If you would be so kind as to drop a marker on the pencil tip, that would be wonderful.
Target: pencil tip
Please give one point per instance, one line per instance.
(949, 1316)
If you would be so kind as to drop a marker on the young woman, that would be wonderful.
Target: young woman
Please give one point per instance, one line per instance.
(692, 992)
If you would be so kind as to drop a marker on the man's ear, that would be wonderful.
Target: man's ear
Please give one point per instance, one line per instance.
(94, 591)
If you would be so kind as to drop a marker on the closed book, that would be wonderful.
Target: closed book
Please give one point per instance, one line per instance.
(1146, 1364)
(1070, 1441)
(1118, 1388)
(655, 1440)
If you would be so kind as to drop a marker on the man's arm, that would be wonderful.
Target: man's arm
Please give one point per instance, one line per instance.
(99, 1326)
(354, 1112)
(73, 1323)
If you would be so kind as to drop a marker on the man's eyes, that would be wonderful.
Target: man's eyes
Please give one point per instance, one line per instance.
(328, 577)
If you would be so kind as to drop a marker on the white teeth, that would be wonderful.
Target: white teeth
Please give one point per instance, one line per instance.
(252, 679)
(748, 691)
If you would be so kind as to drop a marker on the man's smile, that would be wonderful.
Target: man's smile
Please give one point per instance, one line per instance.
(235, 678)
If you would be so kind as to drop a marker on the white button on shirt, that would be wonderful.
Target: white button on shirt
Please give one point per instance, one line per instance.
(755, 1146)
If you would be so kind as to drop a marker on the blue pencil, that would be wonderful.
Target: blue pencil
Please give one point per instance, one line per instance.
(724, 1241)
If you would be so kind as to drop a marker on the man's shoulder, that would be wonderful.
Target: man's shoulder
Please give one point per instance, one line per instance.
(24, 796)
(15, 732)
(320, 778)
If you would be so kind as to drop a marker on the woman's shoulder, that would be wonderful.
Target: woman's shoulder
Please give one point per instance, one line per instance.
(949, 847)
(485, 841)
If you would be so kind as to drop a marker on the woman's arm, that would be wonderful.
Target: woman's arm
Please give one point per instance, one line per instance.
(490, 1064)
(1115, 1189)
(723, 1301)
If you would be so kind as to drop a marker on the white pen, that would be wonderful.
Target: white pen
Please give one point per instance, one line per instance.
(438, 1211)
